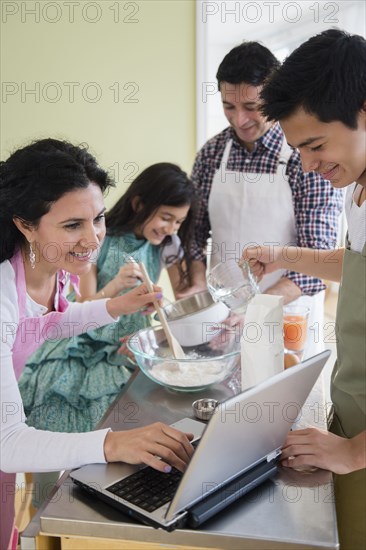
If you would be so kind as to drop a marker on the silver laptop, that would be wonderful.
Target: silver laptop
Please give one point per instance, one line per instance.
(237, 451)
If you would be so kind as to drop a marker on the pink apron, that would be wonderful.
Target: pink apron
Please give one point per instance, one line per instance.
(31, 333)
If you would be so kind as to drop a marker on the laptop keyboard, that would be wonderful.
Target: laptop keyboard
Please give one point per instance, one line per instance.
(147, 488)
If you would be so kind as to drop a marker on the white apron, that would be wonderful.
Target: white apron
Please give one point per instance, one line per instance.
(250, 208)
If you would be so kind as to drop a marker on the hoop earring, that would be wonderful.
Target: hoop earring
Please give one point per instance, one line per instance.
(32, 256)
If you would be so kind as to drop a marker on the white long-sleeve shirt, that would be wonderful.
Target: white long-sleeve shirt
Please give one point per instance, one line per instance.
(25, 449)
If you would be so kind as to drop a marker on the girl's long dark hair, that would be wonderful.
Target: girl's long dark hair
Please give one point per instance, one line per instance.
(160, 184)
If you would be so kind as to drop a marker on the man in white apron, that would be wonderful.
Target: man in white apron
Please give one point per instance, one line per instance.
(254, 191)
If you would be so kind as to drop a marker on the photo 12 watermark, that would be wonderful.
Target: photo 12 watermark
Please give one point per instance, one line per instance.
(91, 13)
(124, 172)
(69, 92)
(317, 489)
(269, 12)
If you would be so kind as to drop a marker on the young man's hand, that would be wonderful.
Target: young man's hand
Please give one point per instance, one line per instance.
(262, 259)
(322, 449)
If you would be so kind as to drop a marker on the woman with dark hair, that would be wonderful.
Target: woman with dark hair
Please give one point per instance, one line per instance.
(52, 220)
(67, 385)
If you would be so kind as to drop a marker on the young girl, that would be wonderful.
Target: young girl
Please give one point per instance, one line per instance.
(52, 220)
(67, 385)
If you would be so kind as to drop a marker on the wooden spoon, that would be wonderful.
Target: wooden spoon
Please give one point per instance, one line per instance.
(175, 346)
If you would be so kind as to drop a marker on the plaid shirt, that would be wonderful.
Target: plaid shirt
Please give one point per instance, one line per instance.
(317, 204)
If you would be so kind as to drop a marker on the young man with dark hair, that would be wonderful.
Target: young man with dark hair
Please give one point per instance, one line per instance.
(319, 97)
(253, 189)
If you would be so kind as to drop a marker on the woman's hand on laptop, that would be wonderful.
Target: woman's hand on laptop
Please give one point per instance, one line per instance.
(322, 449)
(145, 446)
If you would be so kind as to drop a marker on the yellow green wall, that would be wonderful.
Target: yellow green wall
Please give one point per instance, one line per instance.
(138, 57)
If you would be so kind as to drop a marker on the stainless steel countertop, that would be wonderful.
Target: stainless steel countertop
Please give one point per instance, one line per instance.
(295, 510)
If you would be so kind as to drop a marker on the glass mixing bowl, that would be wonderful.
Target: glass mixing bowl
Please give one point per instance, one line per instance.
(205, 365)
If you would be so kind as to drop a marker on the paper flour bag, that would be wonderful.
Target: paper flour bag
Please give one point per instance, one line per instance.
(262, 340)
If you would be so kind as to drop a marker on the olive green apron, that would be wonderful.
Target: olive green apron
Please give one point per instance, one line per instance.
(348, 391)
(349, 374)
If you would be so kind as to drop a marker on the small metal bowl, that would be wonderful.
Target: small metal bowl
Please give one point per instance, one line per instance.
(204, 408)
(192, 319)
